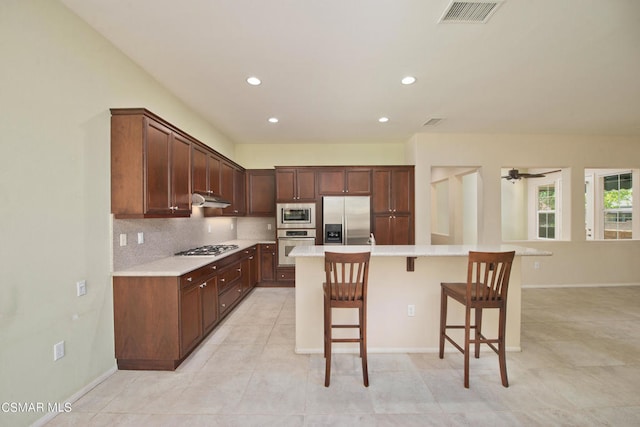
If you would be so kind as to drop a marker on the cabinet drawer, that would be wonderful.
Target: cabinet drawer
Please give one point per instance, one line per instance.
(229, 297)
(229, 277)
(199, 275)
(286, 274)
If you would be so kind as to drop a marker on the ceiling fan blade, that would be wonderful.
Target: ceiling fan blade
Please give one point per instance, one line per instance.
(538, 175)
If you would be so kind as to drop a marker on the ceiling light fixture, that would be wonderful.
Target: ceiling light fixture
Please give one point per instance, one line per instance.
(253, 81)
(273, 120)
(409, 80)
(383, 119)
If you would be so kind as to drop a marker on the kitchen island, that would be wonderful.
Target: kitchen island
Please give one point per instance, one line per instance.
(402, 278)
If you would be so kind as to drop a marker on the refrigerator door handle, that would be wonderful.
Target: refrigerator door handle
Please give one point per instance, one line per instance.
(345, 230)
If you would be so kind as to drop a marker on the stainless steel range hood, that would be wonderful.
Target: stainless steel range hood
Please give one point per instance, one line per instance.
(208, 201)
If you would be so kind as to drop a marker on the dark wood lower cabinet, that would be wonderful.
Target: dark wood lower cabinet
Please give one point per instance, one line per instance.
(159, 321)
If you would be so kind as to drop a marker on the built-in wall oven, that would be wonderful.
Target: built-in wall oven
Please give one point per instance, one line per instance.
(296, 215)
(289, 239)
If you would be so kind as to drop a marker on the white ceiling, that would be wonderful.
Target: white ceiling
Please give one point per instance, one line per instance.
(331, 68)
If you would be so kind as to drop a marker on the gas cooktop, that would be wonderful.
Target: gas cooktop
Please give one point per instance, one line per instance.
(209, 250)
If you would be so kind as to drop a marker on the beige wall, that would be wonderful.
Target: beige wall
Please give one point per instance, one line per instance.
(575, 261)
(258, 156)
(59, 78)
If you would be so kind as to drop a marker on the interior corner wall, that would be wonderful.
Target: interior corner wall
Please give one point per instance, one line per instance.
(574, 262)
(59, 80)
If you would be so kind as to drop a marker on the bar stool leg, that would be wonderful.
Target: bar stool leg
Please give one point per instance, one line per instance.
(363, 346)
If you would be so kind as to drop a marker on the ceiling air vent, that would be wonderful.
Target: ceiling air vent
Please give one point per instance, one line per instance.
(432, 122)
(478, 11)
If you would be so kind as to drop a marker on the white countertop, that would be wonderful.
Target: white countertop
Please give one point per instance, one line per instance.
(179, 265)
(414, 250)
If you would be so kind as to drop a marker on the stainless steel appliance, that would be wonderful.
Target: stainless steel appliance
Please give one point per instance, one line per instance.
(346, 220)
(208, 250)
(289, 239)
(296, 215)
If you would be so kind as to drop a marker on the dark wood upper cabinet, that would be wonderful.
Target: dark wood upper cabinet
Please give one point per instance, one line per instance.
(150, 166)
(206, 171)
(295, 184)
(261, 192)
(232, 184)
(344, 181)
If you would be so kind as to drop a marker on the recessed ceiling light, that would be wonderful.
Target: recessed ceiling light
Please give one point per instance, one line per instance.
(409, 80)
(383, 119)
(253, 81)
(273, 120)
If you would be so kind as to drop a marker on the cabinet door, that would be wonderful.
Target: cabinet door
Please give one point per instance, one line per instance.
(239, 191)
(382, 229)
(401, 230)
(285, 184)
(156, 168)
(215, 167)
(261, 192)
(199, 177)
(267, 263)
(331, 182)
(181, 175)
(306, 184)
(190, 318)
(226, 184)
(358, 181)
(381, 191)
(402, 190)
(209, 294)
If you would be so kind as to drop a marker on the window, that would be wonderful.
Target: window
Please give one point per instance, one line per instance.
(546, 211)
(617, 205)
(609, 204)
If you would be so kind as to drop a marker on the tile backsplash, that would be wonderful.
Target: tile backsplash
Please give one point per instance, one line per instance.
(164, 237)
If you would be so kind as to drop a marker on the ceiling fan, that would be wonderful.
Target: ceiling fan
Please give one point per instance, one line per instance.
(514, 175)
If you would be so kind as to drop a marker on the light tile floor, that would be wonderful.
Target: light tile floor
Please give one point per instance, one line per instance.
(579, 366)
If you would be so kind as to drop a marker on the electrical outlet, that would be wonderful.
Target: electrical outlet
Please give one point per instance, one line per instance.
(209, 228)
(140, 238)
(231, 225)
(536, 265)
(58, 351)
(268, 226)
(81, 287)
(411, 310)
(123, 240)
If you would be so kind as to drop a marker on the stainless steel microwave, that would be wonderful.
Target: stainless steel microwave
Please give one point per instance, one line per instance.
(296, 215)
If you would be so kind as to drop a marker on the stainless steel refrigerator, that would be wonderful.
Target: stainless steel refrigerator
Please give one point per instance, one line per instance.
(346, 220)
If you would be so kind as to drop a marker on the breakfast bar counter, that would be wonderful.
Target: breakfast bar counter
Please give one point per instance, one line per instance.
(401, 278)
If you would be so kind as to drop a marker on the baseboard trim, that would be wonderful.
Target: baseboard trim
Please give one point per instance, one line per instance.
(76, 396)
(580, 285)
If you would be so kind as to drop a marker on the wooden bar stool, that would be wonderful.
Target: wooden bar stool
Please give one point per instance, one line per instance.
(486, 287)
(346, 287)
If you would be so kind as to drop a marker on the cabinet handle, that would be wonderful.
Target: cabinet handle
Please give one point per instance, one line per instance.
(203, 285)
(250, 257)
(224, 305)
(215, 267)
(189, 279)
(239, 270)
(222, 280)
(239, 290)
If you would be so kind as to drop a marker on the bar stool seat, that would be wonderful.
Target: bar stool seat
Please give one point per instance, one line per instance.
(346, 287)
